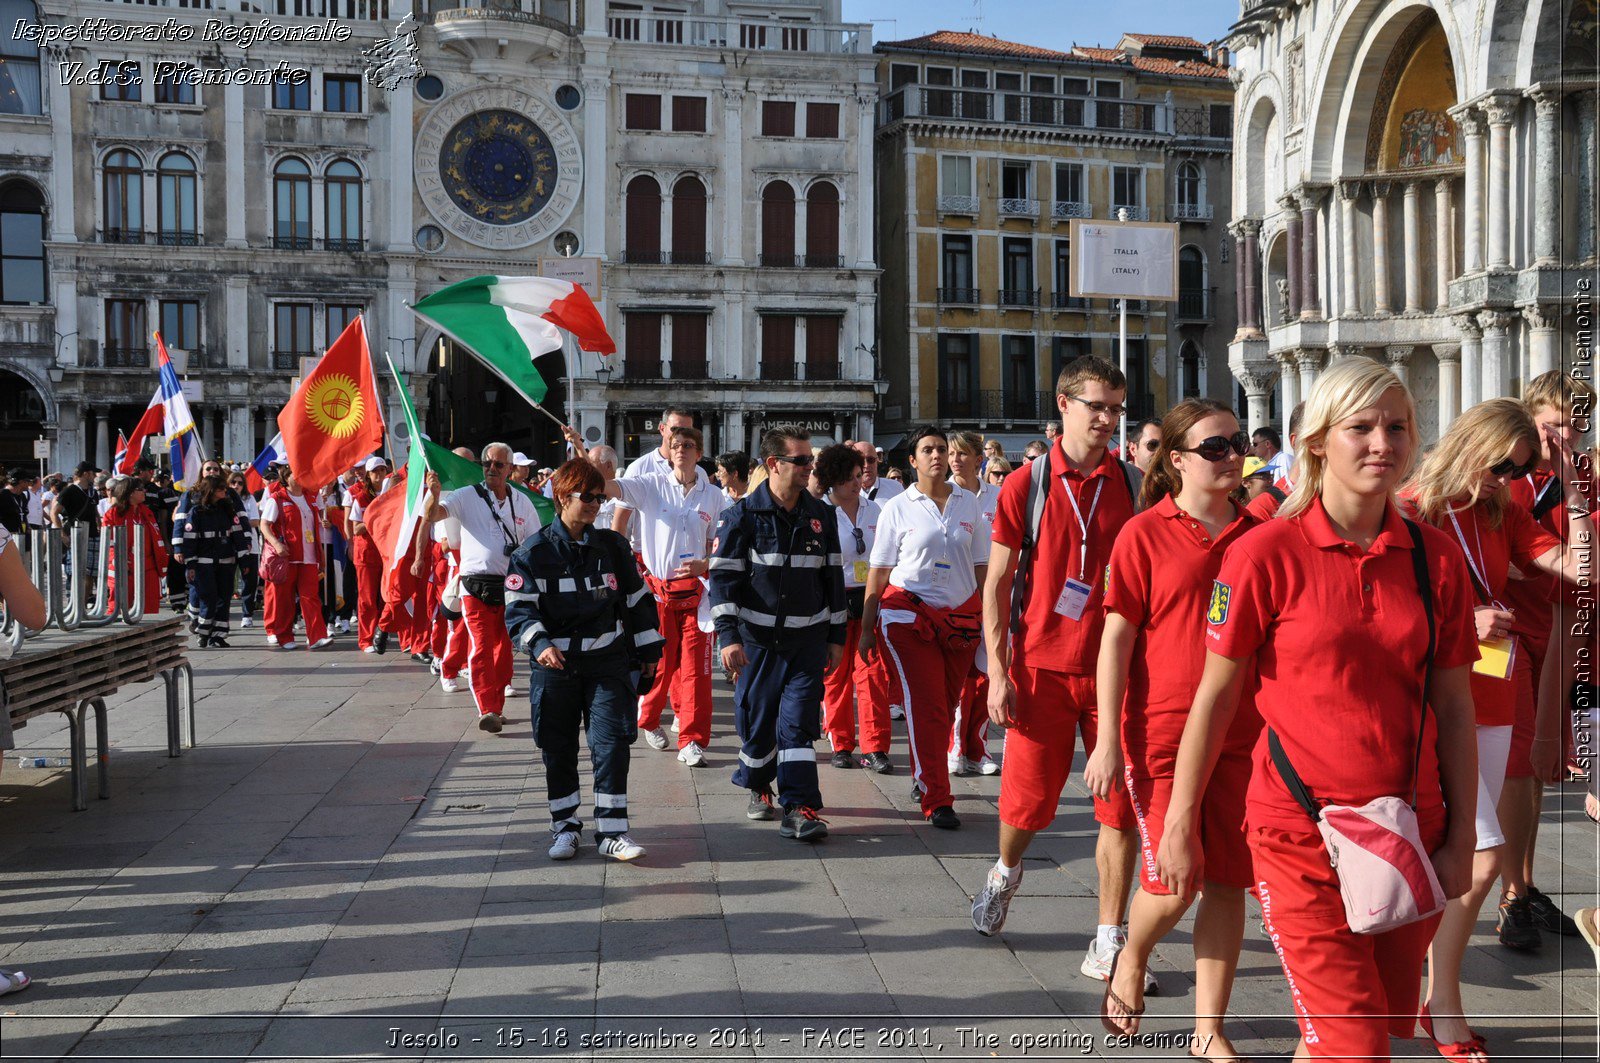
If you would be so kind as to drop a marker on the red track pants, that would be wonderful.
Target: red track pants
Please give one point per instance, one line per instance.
(306, 584)
(684, 675)
(857, 685)
(489, 650)
(926, 671)
(970, 736)
(369, 588)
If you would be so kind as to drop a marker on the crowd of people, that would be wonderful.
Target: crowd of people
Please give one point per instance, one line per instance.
(1281, 646)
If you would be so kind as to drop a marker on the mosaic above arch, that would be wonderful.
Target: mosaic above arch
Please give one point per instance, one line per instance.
(1411, 127)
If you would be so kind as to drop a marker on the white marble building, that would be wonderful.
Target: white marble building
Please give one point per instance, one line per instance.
(1414, 181)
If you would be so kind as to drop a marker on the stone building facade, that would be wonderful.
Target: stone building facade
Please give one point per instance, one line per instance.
(1414, 181)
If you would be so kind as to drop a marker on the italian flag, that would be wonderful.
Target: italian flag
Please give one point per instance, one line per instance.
(395, 514)
(509, 321)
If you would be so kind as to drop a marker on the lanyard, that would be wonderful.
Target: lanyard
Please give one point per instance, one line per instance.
(511, 540)
(1083, 525)
(1474, 562)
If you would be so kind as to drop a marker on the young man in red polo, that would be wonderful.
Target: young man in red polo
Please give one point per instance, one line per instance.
(1042, 661)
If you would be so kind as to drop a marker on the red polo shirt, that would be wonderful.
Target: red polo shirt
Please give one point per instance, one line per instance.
(1162, 569)
(1533, 597)
(1048, 640)
(1339, 637)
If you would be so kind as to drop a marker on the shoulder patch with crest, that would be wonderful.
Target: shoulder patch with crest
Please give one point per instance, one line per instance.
(816, 526)
(513, 582)
(1221, 596)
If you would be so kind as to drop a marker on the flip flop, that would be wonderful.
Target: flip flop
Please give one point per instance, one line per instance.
(13, 982)
(1111, 998)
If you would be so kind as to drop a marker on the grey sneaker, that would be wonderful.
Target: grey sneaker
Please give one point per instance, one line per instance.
(1097, 962)
(990, 906)
(760, 806)
(656, 738)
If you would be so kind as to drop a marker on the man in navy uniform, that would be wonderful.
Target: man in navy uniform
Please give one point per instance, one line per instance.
(778, 602)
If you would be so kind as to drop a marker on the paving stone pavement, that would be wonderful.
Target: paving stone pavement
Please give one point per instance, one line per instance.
(346, 866)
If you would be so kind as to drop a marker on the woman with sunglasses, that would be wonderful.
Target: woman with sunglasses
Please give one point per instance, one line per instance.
(575, 603)
(929, 560)
(1322, 607)
(996, 470)
(857, 686)
(1462, 489)
(1151, 656)
(969, 735)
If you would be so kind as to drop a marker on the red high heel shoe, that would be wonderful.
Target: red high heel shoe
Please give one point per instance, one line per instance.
(1472, 1050)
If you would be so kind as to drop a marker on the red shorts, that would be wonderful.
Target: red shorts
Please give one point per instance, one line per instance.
(1050, 707)
(1226, 854)
(1525, 674)
(1350, 992)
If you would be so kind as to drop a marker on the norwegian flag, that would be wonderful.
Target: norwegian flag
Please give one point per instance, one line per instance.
(122, 451)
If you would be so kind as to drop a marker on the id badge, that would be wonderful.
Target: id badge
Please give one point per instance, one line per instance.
(1496, 657)
(859, 573)
(1074, 599)
(941, 573)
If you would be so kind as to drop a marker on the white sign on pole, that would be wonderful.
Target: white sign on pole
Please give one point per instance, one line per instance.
(1124, 260)
(584, 270)
(41, 449)
(194, 390)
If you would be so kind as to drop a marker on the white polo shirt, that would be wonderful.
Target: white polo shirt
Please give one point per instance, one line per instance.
(932, 554)
(883, 490)
(856, 562)
(674, 525)
(270, 512)
(988, 501)
(482, 539)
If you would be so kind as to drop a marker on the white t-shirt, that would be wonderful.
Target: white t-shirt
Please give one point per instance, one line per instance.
(36, 508)
(674, 526)
(1279, 465)
(883, 490)
(856, 562)
(988, 501)
(483, 538)
(270, 513)
(932, 554)
(647, 464)
(251, 514)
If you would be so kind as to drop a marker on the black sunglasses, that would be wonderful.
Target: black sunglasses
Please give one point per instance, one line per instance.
(590, 498)
(1510, 469)
(487, 464)
(1152, 445)
(1216, 448)
(801, 461)
(861, 541)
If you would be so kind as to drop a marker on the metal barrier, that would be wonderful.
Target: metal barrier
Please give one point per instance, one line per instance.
(65, 573)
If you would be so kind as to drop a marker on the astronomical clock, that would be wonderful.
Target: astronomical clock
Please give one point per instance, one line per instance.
(498, 167)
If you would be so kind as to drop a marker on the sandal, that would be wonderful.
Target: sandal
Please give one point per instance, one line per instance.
(1591, 807)
(1132, 1014)
(1468, 1051)
(13, 982)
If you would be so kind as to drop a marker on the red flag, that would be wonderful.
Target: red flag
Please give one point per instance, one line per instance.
(578, 315)
(334, 419)
(382, 518)
(150, 423)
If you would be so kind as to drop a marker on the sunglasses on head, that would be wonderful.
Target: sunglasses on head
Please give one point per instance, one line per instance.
(589, 498)
(1216, 448)
(1510, 469)
(799, 461)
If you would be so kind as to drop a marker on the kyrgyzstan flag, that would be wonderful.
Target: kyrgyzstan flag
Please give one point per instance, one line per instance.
(510, 321)
(334, 419)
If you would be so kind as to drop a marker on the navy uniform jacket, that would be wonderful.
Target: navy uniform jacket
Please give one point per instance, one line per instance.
(778, 576)
(585, 597)
(211, 535)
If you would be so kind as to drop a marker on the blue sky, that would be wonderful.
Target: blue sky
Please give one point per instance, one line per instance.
(1047, 23)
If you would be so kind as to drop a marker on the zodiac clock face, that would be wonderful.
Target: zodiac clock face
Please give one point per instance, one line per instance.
(497, 167)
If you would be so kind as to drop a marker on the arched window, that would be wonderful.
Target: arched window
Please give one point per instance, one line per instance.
(341, 190)
(20, 87)
(1189, 188)
(641, 238)
(124, 198)
(1189, 371)
(822, 226)
(291, 204)
(689, 222)
(21, 243)
(1192, 283)
(175, 201)
(777, 224)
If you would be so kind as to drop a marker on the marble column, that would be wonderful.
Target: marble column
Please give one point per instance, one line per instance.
(1289, 380)
(1413, 249)
(1399, 359)
(1444, 242)
(596, 82)
(1471, 359)
(1496, 363)
(1501, 113)
(1256, 379)
(1543, 340)
(1251, 228)
(732, 252)
(1310, 201)
(1546, 176)
(1380, 248)
(1292, 263)
(1588, 143)
(1471, 123)
(1350, 273)
(239, 445)
(1448, 356)
(102, 446)
(1310, 362)
(1239, 266)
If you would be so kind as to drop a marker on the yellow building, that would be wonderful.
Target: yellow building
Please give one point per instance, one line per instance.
(986, 152)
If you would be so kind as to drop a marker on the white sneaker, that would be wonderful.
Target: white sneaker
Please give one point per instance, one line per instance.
(621, 847)
(369, 649)
(988, 766)
(1097, 963)
(509, 692)
(956, 764)
(272, 640)
(896, 712)
(692, 755)
(674, 724)
(342, 626)
(326, 640)
(247, 622)
(449, 686)
(288, 645)
(657, 738)
(564, 846)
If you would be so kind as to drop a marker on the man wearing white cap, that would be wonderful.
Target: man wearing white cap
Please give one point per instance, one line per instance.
(521, 468)
(366, 557)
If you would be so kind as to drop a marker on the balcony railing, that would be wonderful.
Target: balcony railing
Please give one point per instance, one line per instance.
(641, 368)
(524, 11)
(778, 370)
(292, 243)
(782, 261)
(1195, 304)
(116, 357)
(1019, 208)
(289, 360)
(958, 204)
(1066, 209)
(957, 403)
(1013, 108)
(996, 405)
(745, 34)
(1134, 213)
(177, 238)
(1202, 122)
(822, 370)
(122, 236)
(667, 258)
(810, 261)
(1019, 297)
(1190, 211)
(1063, 301)
(688, 368)
(343, 243)
(958, 296)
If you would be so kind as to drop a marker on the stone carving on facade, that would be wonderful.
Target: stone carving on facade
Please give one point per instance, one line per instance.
(1495, 320)
(1468, 324)
(1282, 284)
(1540, 317)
